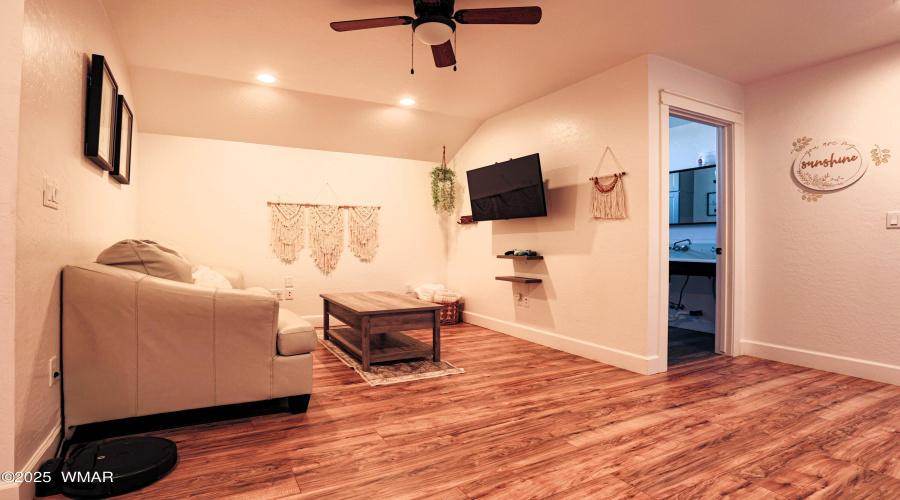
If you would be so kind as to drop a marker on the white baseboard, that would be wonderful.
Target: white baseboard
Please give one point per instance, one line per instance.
(597, 352)
(46, 450)
(844, 365)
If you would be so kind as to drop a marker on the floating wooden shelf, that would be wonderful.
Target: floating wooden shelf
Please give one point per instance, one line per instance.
(518, 279)
(521, 257)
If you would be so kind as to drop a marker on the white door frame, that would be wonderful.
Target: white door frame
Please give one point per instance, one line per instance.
(730, 227)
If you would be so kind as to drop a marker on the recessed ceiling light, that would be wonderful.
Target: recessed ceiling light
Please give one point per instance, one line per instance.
(266, 78)
(407, 102)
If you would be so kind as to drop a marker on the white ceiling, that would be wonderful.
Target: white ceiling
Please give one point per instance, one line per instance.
(500, 67)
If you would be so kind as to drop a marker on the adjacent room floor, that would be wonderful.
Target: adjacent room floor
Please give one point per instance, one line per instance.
(527, 421)
(686, 346)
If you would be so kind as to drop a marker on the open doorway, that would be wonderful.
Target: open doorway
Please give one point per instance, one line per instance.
(694, 195)
(729, 203)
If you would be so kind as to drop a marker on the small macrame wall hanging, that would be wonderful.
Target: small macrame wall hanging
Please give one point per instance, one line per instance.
(443, 193)
(608, 192)
(288, 230)
(363, 225)
(326, 236)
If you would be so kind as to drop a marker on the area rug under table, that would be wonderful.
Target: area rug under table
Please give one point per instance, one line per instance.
(393, 372)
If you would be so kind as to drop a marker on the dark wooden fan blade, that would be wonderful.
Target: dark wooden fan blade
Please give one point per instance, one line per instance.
(364, 24)
(443, 54)
(508, 15)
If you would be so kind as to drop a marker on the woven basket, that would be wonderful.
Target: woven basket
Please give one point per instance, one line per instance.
(450, 312)
(451, 307)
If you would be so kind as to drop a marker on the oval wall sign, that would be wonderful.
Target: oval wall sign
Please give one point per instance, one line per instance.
(829, 165)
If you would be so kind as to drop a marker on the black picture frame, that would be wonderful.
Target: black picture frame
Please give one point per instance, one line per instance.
(122, 159)
(711, 201)
(100, 115)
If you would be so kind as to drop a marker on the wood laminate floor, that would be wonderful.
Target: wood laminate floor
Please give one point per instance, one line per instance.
(527, 421)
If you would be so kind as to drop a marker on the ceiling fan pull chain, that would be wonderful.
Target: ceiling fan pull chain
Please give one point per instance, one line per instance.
(455, 48)
(412, 52)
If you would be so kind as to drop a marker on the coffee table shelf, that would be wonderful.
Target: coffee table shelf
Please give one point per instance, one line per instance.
(389, 346)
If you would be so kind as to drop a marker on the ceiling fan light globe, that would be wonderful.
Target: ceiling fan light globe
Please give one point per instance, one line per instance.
(433, 33)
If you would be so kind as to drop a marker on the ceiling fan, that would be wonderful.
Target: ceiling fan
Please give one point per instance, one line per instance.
(435, 22)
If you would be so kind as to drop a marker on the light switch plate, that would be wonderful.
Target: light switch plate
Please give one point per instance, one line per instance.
(288, 281)
(892, 220)
(51, 193)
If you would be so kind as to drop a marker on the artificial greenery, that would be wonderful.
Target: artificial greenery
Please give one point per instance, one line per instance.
(443, 194)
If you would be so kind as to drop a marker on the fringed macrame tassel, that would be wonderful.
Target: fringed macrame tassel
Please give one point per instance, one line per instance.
(364, 232)
(326, 236)
(608, 198)
(288, 231)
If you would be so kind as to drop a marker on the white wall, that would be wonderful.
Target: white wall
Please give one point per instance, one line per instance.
(823, 278)
(11, 20)
(592, 301)
(687, 141)
(209, 198)
(94, 210)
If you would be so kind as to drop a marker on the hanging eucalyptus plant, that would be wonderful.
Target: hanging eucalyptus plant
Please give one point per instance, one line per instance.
(443, 194)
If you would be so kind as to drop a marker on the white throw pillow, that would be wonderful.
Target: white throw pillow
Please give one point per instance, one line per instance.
(204, 276)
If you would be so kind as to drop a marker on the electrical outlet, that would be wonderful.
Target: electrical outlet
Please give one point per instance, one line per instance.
(289, 293)
(54, 371)
(525, 301)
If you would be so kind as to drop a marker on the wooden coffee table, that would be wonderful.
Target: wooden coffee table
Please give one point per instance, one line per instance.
(374, 321)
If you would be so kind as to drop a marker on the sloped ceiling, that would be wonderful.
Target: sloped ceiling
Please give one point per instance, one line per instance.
(500, 67)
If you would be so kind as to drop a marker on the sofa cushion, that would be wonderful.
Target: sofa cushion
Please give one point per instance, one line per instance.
(148, 257)
(259, 289)
(295, 334)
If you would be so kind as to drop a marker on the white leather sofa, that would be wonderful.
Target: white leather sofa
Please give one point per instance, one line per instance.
(136, 345)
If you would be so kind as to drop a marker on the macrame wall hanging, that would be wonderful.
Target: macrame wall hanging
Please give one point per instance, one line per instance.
(608, 192)
(363, 225)
(323, 226)
(288, 230)
(326, 236)
(443, 193)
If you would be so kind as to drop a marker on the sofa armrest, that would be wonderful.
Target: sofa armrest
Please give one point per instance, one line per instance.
(235, 277)
(295, 334)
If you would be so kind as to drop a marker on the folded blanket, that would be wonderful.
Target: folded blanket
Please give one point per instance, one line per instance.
(426, 292)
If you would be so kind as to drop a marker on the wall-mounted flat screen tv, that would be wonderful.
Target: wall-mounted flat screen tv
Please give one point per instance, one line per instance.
(512, 189)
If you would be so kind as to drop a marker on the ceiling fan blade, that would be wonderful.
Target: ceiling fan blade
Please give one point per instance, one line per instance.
(364, 24)
(505, 15)
(443, 54)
